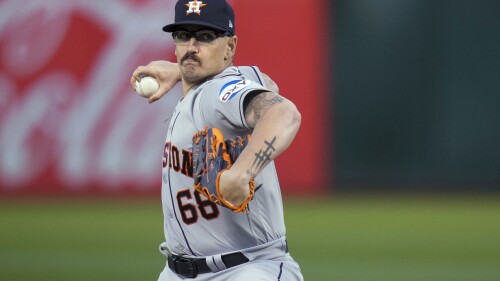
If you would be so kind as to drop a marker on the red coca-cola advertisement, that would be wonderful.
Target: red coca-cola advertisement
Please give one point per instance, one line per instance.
(70, 122)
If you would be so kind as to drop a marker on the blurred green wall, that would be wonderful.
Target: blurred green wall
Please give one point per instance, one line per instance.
(417, 87)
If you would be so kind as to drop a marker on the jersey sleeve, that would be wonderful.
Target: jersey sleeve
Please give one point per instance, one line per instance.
(253, 73)
(221, 102)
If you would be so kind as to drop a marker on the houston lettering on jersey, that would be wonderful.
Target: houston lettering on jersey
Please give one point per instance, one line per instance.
(179, 161)
(231, 89)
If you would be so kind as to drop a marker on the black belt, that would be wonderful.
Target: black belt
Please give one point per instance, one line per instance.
(190, 268)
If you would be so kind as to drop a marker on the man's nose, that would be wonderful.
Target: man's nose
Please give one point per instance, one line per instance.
(193, 45)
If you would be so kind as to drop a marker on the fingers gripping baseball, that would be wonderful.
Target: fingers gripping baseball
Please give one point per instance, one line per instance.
(166, 73)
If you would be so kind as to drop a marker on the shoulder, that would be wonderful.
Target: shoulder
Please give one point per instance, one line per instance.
(229, 84)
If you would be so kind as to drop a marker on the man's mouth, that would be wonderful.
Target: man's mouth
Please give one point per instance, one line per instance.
(190, 60)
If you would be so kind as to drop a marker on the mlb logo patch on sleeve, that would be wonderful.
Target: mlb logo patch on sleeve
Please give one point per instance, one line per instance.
(231, 89)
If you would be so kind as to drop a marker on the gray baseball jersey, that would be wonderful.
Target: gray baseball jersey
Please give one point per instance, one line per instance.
(193, 225)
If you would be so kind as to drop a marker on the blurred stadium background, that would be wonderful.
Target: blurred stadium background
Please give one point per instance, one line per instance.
(395, 174)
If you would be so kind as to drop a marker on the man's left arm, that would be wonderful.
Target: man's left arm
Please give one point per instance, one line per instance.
(275, 122)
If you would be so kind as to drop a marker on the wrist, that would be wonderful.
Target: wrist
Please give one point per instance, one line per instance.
(234, 187)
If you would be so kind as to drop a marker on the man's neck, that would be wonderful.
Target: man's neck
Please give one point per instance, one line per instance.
(187, 86)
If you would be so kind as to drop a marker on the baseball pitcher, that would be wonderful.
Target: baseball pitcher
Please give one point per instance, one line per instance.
(223, 211)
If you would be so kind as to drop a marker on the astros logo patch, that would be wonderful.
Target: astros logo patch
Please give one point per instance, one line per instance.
(231, 89)
(194, 7)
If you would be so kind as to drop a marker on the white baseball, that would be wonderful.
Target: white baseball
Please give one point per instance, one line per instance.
(147, 86)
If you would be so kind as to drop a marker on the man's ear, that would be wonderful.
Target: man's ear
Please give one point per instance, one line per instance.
(231, 47)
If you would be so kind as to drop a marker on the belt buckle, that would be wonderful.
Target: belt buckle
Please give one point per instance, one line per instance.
(185, 267)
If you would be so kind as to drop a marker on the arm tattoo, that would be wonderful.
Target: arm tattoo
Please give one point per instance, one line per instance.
(252, 174)
(263, 101)
(264, 157)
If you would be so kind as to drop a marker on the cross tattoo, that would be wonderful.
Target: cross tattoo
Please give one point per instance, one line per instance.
(262, 157)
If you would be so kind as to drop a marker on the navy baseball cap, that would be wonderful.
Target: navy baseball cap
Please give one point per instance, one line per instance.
(214, 14)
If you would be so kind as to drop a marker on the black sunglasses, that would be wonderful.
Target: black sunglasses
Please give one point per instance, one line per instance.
(182, 37)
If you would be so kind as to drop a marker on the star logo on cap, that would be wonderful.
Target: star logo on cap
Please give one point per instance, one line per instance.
(194, 7)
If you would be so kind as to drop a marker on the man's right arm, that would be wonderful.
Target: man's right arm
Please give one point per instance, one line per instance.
(168, 75)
